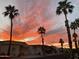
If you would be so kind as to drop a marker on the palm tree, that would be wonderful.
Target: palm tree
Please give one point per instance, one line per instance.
(61, 41)
(42, 31)
(74, 27)
(65, 7)
(11, 12)
(77, 22)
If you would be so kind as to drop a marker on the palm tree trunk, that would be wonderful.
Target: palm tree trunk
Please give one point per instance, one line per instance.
(69, 35)
(75, 40)
(9, 48)
(42, 44)
(62, 46)
(76, 47)
(76, 43)
(42, 39)
(68, 31)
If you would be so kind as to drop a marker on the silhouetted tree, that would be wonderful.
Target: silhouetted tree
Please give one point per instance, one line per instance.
(74, 27)
(61, 41)
(77, 22)
(42, 31)
(66, 7)
(11, 12)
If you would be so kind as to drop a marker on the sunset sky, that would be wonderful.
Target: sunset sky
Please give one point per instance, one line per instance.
(33, 14)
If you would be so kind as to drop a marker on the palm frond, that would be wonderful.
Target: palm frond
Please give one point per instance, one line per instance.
(11, 11)
(16, 14)
(8, 8)
(68, 3)
(61, 41)
(65, 7)
(73, 25)
(12, 8)
(16, 10)
(41, 30)
(58, 11)
(70, 10)
(5, 13)
(60, 3)
(71, 6)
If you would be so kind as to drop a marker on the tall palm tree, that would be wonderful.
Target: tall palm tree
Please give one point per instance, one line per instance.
(74, 27)
(61, 41)
(77, 22)
(65, 7)
(41, 30)
(11, 12)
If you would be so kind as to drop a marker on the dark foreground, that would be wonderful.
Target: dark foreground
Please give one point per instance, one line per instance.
(44, 57)
(52, 57)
